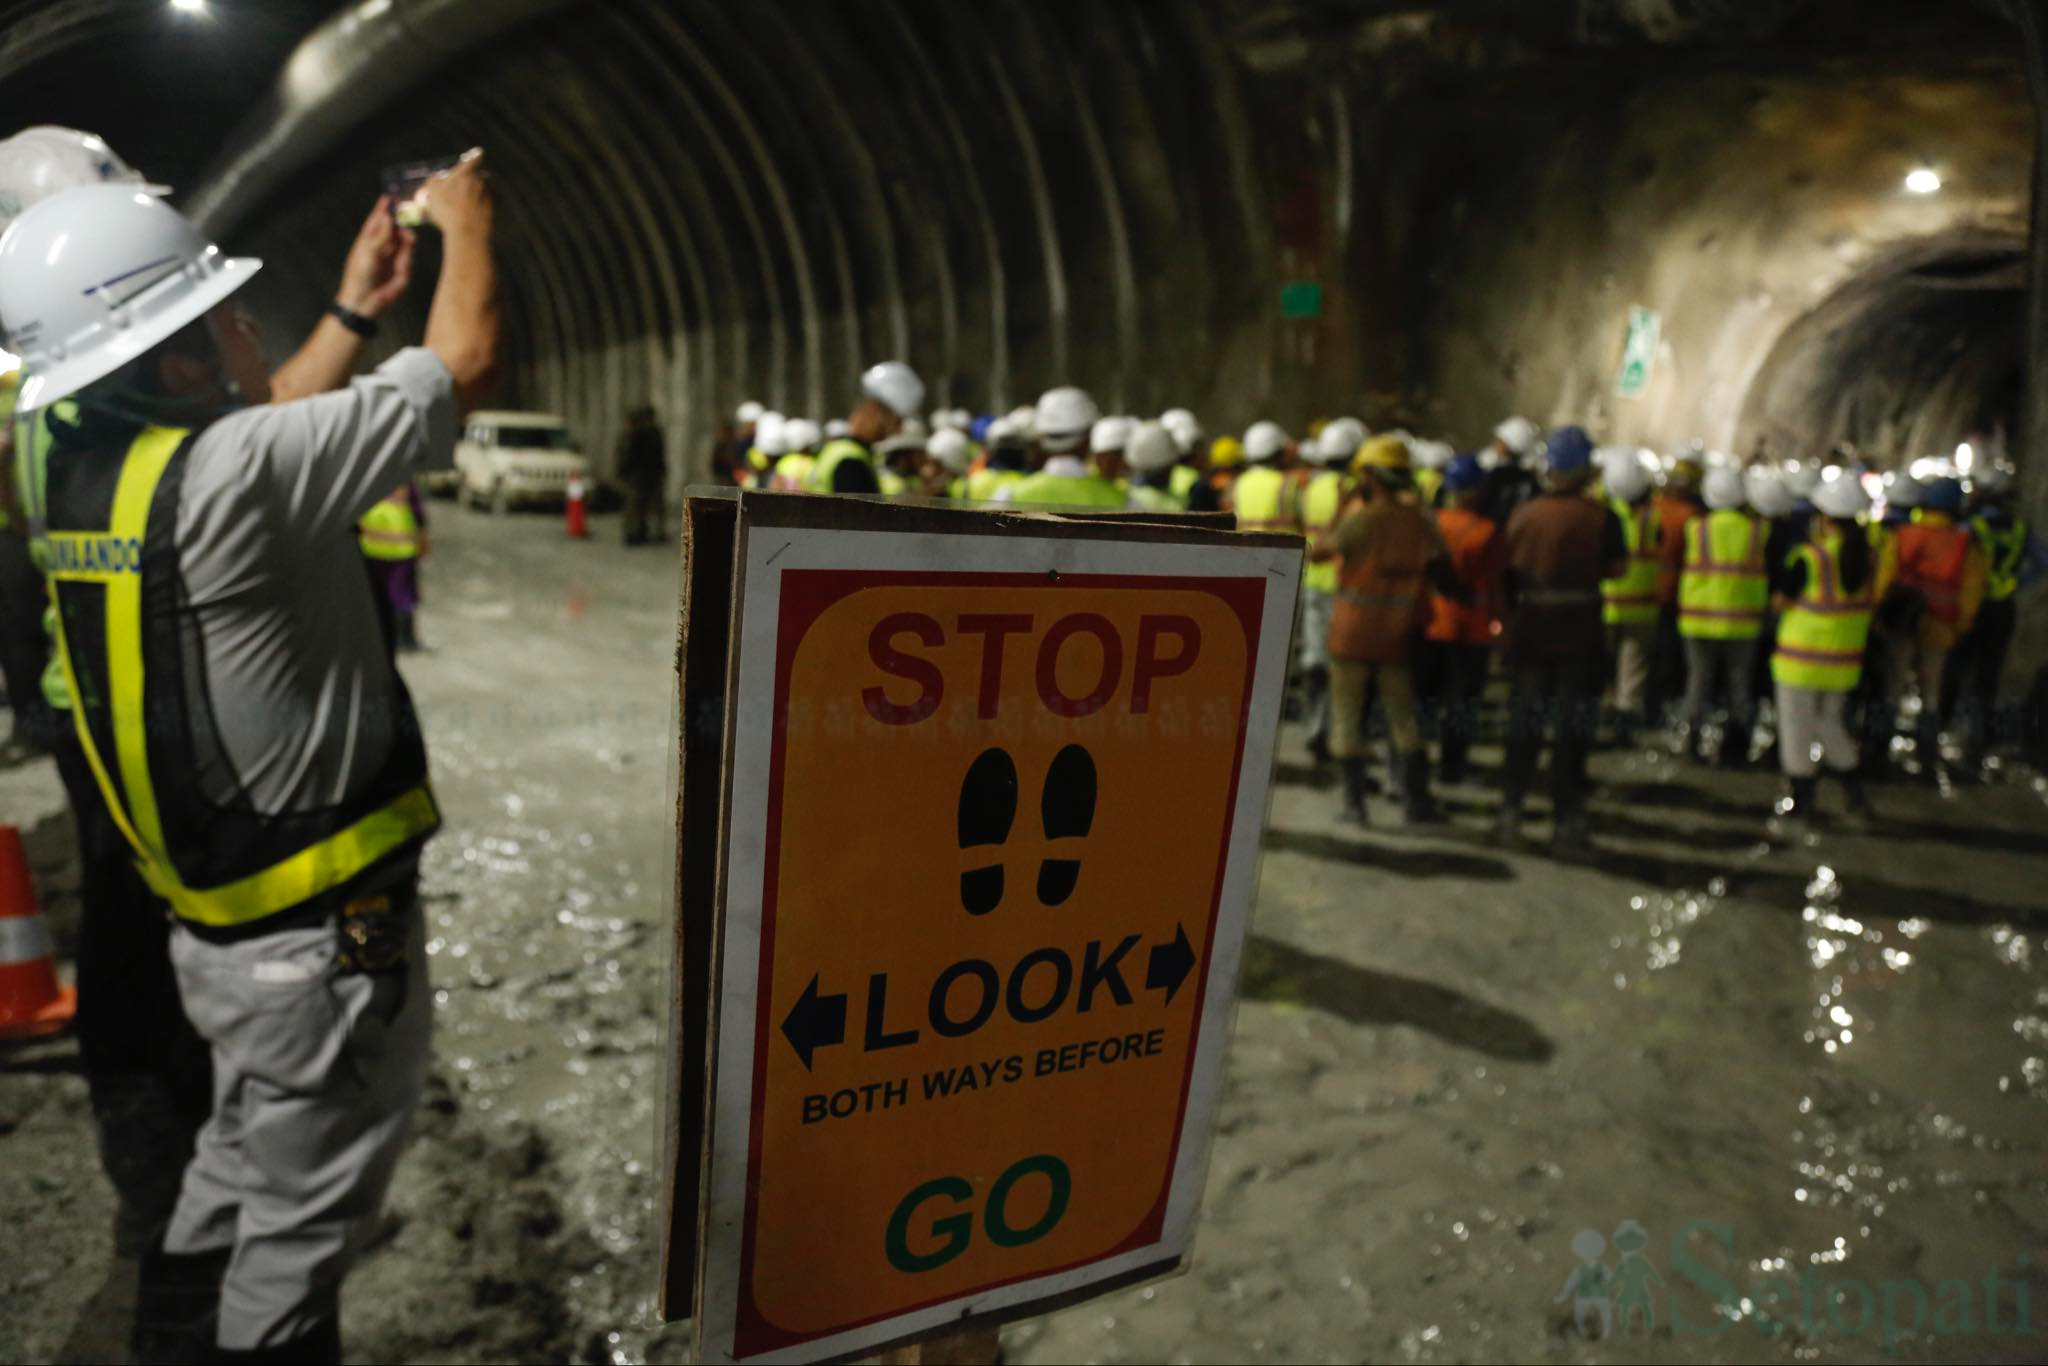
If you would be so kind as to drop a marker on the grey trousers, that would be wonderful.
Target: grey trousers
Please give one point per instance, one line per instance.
(316, 1074)
(1631, 647)
(1813, 728)
(1730, 663)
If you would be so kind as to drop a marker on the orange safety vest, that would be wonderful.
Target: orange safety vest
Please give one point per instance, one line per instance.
(1932, 559)
(1472, 540)
(1381, 596)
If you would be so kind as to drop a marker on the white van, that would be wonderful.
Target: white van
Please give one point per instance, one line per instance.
(507, 458)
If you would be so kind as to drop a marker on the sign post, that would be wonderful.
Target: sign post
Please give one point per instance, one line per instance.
(994, 791)
(1639, 352)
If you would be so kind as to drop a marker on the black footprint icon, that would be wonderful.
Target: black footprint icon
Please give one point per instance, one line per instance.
(988, 805)
(1068, 808)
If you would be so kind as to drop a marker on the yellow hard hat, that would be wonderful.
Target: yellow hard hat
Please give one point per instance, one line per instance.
(1388, 452)
(1226, 453)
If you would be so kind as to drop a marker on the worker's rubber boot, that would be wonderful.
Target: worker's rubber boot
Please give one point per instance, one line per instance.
(1421, 807)
(1352, 805)
(177, 1307)
(1797, 817)
(1734, 751)
(1397, 776)
(1861, 813)
(407, 632)
(318, 1346)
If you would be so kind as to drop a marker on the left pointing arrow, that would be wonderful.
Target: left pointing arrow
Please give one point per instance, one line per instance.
(815, 1022)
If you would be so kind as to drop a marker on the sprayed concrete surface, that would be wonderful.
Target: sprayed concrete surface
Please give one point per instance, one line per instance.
(1450, 1057)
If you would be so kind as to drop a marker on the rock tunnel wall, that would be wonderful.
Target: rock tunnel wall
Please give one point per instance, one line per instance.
(702, 203)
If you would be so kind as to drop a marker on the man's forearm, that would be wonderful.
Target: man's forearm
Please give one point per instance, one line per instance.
(323, 362)
(462, 326)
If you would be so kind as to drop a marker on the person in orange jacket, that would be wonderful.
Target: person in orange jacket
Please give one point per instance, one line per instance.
(1942, 572)
(1461, 634)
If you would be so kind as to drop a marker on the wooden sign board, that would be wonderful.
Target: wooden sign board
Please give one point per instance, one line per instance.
(993, 790)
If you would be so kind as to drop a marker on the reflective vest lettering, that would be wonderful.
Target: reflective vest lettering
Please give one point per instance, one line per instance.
(1931, 560)
(117, 709)
(1632, 599)
(1821, 637)
(390, 530)
(1723, 588)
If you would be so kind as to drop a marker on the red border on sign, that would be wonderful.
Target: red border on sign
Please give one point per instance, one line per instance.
(806, 594)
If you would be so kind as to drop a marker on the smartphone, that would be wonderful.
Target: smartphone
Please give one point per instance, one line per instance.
(404, 183)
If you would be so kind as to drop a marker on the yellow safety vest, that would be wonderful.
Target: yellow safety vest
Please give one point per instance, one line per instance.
(983, 484)
(1182, 482)
(1259, 499)
(1631, 600)
(1320, 504)
(100, 570)
(1152, 498)
(1066, 490)
(2003, 551)
(840, 449)
(1724, 587)
(31, 476)
(1821, 637)
(1427, 483)
(891, 482)
(390, 530)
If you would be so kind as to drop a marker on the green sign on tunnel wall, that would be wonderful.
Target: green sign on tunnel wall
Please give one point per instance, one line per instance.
(1639, 352)
(1301, 299)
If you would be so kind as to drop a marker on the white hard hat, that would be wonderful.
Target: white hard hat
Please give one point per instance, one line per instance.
(1063, 418)
(39, 162)
(1518, 434)
(1338, 441)
(1181, 425)
(1902, 490)
(800, 434)
(955, 419)
(949, 447)
(1722, 488)
(1767, 491)
(1432, 455)
(1801, 478)
(836, 428)
(1264, 441)
(1992, 478)
(1839, 494)
(1110, 433)
(1623, 470)
(911, 437)
(894, 385)
(771, 434)
(748, 413)
(1151, 448)
(92, 278)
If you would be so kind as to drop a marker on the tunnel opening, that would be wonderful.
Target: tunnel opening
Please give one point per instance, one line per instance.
(1910, 358)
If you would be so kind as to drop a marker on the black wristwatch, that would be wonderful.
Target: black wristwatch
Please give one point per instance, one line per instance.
(355, 322)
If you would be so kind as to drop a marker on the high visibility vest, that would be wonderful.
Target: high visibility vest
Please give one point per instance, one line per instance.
(1320, 504)
(31, 479)
(834, 453)
(1066, 490)
(1466, 535)
(985, 483)
(1932, 557)
(1152, 498)
(1723, 588)
(1259, 499)
(1821, 637)
(2003, 552)
(1381, 595)
(1182, 482)
(391, 530)
(1632, 599)
(1428, 483)
(791, 473)
(115, 571)
(757, 465)
(891, 482)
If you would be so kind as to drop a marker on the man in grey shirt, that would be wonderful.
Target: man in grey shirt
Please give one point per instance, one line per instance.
(240, 714)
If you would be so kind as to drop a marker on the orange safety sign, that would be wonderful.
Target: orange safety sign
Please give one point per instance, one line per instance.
(995, 788)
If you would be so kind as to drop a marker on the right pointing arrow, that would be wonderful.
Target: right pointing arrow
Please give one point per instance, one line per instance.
(815, 1022)
(1170, 964)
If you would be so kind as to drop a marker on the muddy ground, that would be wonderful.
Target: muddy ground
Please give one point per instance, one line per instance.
(1450, 1057)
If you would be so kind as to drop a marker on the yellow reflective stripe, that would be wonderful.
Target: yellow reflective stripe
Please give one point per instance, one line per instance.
(306, 874)
(91, 748)
(140, 475)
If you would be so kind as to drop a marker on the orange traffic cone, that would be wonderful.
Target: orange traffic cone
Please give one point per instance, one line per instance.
(32, 1003)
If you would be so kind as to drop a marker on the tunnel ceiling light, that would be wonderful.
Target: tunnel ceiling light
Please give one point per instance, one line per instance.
(189, 6)
(1923, 180)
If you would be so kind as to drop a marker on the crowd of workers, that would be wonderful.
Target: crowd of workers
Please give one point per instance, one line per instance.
(199, 549)
(1624, 595)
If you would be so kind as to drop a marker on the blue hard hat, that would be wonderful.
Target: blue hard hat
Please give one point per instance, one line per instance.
(1464, 473)
(1567, 450)
(977, 430)
(1944, 495)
